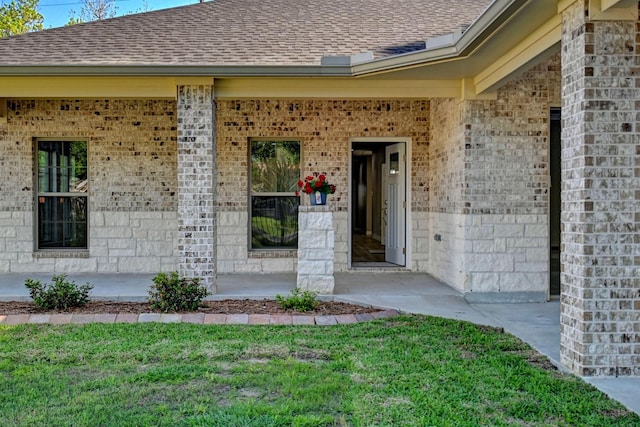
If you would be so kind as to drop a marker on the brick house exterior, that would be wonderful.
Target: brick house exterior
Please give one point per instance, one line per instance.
(469, 92)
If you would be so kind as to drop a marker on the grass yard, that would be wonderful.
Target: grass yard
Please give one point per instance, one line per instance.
(404, 371)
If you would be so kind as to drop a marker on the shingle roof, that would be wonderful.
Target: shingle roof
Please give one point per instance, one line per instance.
(246, 32)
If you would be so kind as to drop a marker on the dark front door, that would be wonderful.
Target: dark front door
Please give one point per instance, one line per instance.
(554, 201)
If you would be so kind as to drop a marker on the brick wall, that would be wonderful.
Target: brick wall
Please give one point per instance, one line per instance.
(489, 188)
(600, 306)
(197, 212)
(324, 127)
(446, 191)
(447, 156)
(132, 183)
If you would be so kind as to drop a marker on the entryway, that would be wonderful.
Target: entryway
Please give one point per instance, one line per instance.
(378, 208)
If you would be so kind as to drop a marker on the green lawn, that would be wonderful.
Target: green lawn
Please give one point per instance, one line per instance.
(404, 371)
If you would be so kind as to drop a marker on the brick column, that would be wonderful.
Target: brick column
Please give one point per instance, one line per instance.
(600, 305)
(315, 249)
(196, 183)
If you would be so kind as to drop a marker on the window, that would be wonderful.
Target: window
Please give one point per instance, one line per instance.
(275, 171)
(62, 194)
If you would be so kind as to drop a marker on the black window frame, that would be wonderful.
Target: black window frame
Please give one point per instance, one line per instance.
(74, 232)
(275, 201)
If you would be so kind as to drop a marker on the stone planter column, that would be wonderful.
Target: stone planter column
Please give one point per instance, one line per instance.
(315, 249)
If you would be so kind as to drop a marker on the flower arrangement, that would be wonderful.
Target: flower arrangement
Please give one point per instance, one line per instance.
(313, 184)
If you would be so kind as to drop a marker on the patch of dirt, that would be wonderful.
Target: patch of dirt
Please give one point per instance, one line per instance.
(219, 307)
(542, 362)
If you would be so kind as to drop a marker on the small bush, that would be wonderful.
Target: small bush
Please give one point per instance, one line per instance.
(170, 292)
(60, 295)
(299, 300)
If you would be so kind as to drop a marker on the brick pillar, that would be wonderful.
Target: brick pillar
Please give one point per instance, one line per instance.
(196, 183)
(315, 249)
(600, 304)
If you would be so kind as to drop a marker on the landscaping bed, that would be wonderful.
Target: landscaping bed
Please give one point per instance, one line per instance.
(230, 306)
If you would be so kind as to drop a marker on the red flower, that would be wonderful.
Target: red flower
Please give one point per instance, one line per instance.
(317, 182)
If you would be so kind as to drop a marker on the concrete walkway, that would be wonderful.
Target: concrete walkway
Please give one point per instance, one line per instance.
(536, 324)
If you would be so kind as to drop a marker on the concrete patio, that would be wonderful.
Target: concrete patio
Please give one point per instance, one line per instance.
(536, 324)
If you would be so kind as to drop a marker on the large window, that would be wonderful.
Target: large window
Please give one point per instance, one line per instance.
(275, 171)
(62, 194)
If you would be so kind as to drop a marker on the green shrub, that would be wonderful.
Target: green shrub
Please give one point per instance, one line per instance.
(60, 295)
(299, 300)
(170, 292)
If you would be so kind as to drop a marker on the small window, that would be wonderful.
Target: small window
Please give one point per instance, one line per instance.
(275, 171)
(61, 200)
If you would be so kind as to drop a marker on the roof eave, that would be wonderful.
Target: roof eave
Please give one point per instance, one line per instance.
(498, 13)
(178, 70)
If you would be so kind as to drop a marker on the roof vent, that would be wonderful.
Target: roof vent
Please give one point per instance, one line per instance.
(345, 60)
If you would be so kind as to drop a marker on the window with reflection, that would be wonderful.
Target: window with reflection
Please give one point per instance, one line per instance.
(62, 194)
(275, 171)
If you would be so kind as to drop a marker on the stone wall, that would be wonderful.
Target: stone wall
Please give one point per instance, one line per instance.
(600, 306)
(489, 180)
(316, 250)
(132, 183)
(446, 190)
(324, 128)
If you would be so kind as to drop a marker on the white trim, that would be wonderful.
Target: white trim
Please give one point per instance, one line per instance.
(408, 218)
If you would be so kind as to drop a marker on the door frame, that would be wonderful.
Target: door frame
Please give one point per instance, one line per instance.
(554, 109)
(408, 221)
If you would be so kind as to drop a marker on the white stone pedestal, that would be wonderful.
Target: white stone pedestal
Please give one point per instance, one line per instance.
(315, 249)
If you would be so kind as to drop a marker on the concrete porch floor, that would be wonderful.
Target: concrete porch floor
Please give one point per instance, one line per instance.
(536, 324)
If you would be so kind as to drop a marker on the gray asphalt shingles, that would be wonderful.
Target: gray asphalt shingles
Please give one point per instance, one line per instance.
(246, 32)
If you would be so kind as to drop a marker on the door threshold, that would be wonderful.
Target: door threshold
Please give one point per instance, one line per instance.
(377, 266)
